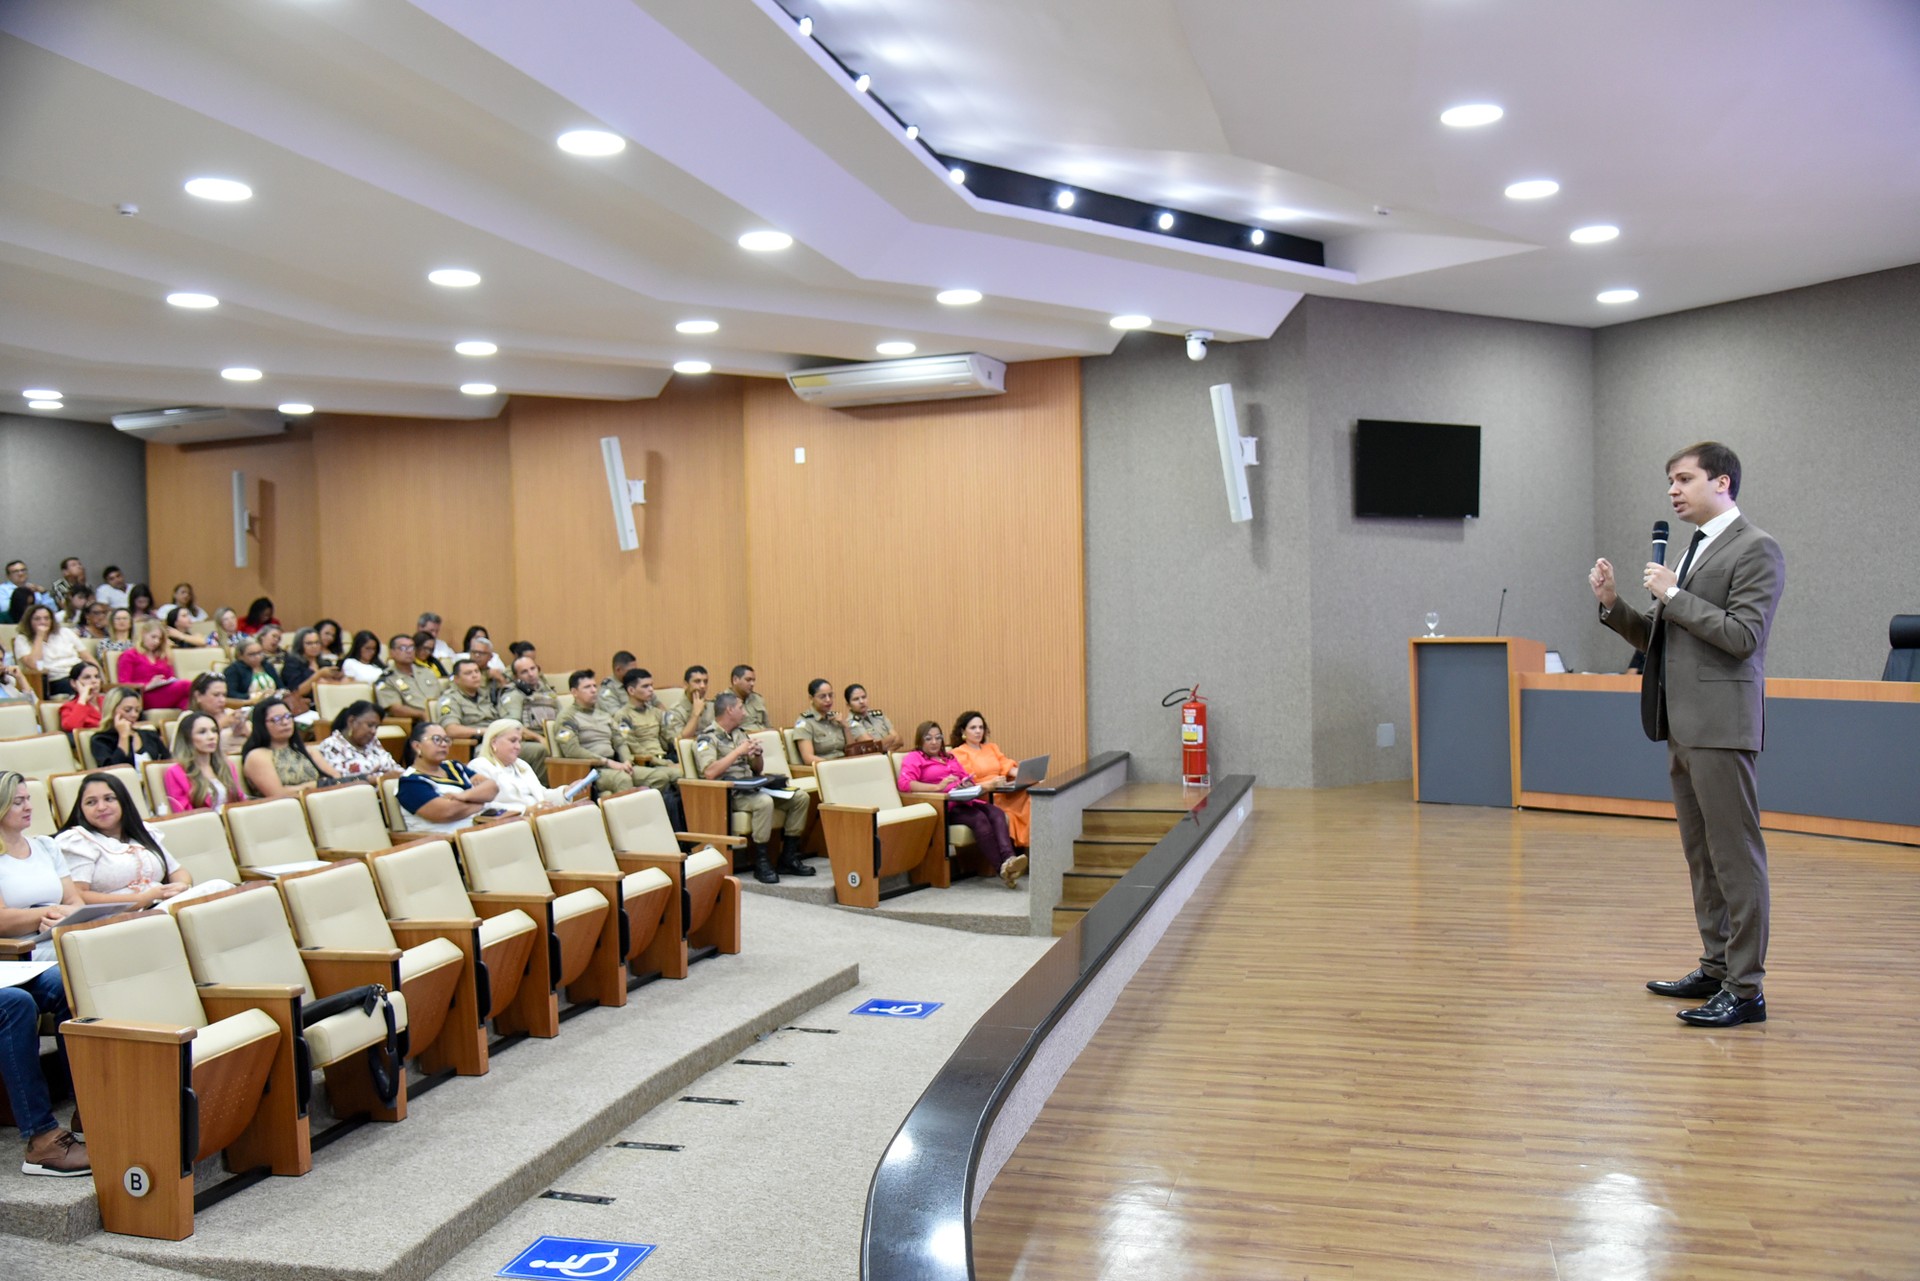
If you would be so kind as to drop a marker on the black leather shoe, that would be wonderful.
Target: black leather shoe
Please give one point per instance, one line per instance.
(1727, 1010)
(1692, 987)
(792, 865)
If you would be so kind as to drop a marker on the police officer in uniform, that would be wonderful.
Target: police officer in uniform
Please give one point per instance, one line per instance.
(405, 691)
(821, 733)
(642, 731)
(754, 706)
(585, 733)
(467, 707)
(613, 690)
(694, 716)
(727, 751)
(868, 722)
(529, 701)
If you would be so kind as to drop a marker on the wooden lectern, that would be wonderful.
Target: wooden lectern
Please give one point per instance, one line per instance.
(1466, 716)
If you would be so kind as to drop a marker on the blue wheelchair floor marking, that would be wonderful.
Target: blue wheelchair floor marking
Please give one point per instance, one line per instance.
(581, 1260)
(898, 1009)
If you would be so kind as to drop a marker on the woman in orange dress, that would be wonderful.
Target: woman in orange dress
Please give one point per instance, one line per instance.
(993, 769)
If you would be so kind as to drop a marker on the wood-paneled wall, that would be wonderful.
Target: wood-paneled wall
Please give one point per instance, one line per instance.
(932, 552)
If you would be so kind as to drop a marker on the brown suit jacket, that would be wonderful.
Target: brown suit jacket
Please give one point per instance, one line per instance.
(1714, 633)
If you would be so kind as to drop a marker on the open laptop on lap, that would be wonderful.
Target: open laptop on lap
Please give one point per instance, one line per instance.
(1031, 771)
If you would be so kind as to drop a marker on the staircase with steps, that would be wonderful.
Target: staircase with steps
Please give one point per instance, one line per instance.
(1110, 842)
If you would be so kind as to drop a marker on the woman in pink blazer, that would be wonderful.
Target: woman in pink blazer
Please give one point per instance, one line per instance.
(148, 667)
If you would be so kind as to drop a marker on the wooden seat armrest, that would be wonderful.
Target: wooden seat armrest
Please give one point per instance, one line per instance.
(333, 855)
(706, 782)
(568, 882)
(707, 838)
(248, 992)
(329, 954)
(401, 836)
(802, 770)
(125, 1030)
(869, 810)
(497, 903)
(12, 949)
(338, 970)
(936, 799)
(464, 935)
(631, 863)
(424, 923)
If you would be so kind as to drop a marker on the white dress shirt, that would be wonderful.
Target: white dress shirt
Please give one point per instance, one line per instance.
(1712, 529)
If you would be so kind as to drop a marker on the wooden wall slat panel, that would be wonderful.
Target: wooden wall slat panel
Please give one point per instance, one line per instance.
(932, 552)
(190, 523)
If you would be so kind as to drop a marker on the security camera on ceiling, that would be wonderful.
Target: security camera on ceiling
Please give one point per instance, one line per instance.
(1197, 340)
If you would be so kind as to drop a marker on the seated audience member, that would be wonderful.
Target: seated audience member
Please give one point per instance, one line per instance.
(528, 700)
(437, 650)
(466, 706)
(752, 705)
(362, 663)
(273, 761)
(94, 621)
(140, 602)
(20, 595)
(306, 667)
(821, 733)
(148, 667)
(640, 728)
(201, 777)
(993, 769)
(190, 611)
(252, 675)
(175, 620)
(353, 749)
(43, 645)
(423, 646)
(122, 739)
(209, 696)
(84, 709)
(112, 588)
(932, 768)
(330, 637)
(480, 650)
(273, 640)
(226, 630)
(111, 854)
(869, 722)
(585, 733)
(520, 649)
(13, 686)
(695, 716)
(499, 758)
(438, 794)
(405, 690)
(36, 893)
(613, 690)
(259, 615)
(726, 750)
(118, 640)
(79, 601)
(72, 574)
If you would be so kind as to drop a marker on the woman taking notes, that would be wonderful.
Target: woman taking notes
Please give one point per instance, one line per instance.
(932, 768)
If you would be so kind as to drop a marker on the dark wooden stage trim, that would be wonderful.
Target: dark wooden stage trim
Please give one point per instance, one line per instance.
(1398, 1041)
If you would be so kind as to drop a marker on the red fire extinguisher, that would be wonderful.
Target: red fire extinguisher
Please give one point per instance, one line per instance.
(1193, 736)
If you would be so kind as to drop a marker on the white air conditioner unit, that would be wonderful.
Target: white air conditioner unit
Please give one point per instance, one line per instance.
(192, 424)
(892, 382)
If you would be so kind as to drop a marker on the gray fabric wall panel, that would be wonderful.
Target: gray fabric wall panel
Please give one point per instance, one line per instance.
(1589, 743)
(1842, 759)
(73, 489)
(1466, 743)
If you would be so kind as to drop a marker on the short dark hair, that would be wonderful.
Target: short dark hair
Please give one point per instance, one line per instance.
(583, 674)
(723, 702)
(959, 726)
(71, 560)
(459, 663)
(1715, 460)
(688, 674)
(111, 569)
(78, 589)
(396, 638)
(623, 656)
(520, 647)
(22, 564)
(741, 669)
(634, 675)
(813, 686)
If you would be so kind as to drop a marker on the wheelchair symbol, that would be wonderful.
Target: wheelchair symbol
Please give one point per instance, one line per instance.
(575, 1265)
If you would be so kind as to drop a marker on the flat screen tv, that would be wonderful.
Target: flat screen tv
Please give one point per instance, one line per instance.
(1416, 469)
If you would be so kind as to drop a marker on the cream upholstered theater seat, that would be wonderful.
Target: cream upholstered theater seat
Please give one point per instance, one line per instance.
(959, 835)
(502, 860)
(66, 789)
(421, 882)
(390, 807)
(50, 715)
(774, 762)
(573, 841)
(670, 697)
(243, 936)
(337, 909)
(162, 719)
(154, 775)
(158, 1061)
(43, 822)
(190, 661)
(270, 834)
(346, 820)
(639, 829)
(873, 832)
(330, 698)
(557, 682)
(39, 755)
(707, 800)
(20, 719)
(198, 841)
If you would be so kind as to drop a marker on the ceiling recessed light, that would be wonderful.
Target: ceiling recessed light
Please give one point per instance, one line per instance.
(692, 367)
(806, 26)
(1132, 320)
(862, 82)
(765, 242)
(296, 408)
(1532, 189)
(45, 404)
(240, 374)
(895, 347)
(454, 277)
(1471, 115)
(475, 347)
(1597, 234)
(41, 393)
(957, 297)
(957, 174)
(1279, 213)
(1257, 237)
(590, 142)
(193, 301)
(1616, 295)
(913, 132)
(1063, 200)
(698, 326)
(478, 389)
(219, 189)
(1164, 222)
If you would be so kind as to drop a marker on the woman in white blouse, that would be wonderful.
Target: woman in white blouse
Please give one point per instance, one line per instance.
(362, 662)
(354, 746)
(498, 758)
(111, 855)
(43, 645)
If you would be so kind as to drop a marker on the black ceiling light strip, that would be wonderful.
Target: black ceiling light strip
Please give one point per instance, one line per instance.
(1011, 187)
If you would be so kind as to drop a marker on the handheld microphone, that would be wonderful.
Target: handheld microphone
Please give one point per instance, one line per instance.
(1659, 542)
(1503, 611)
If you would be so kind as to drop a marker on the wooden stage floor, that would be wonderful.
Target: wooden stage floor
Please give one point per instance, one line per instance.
(1398, 1041)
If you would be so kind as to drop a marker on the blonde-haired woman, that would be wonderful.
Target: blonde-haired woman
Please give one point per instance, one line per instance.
(498, 758)
(148, 667)
(202, 778)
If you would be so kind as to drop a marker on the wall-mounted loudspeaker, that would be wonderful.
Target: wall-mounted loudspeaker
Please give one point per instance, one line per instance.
(625, 494)
(1237, 452)
(242, 520)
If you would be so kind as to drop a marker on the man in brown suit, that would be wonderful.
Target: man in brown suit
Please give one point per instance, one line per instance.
(1703, 691)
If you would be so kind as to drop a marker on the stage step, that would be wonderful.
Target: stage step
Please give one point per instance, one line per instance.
(1111, 851)
(1083, 886)
(1065, 918)
(1096, 821)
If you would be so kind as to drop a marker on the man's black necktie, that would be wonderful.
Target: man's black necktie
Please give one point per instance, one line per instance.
(1653, 677)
